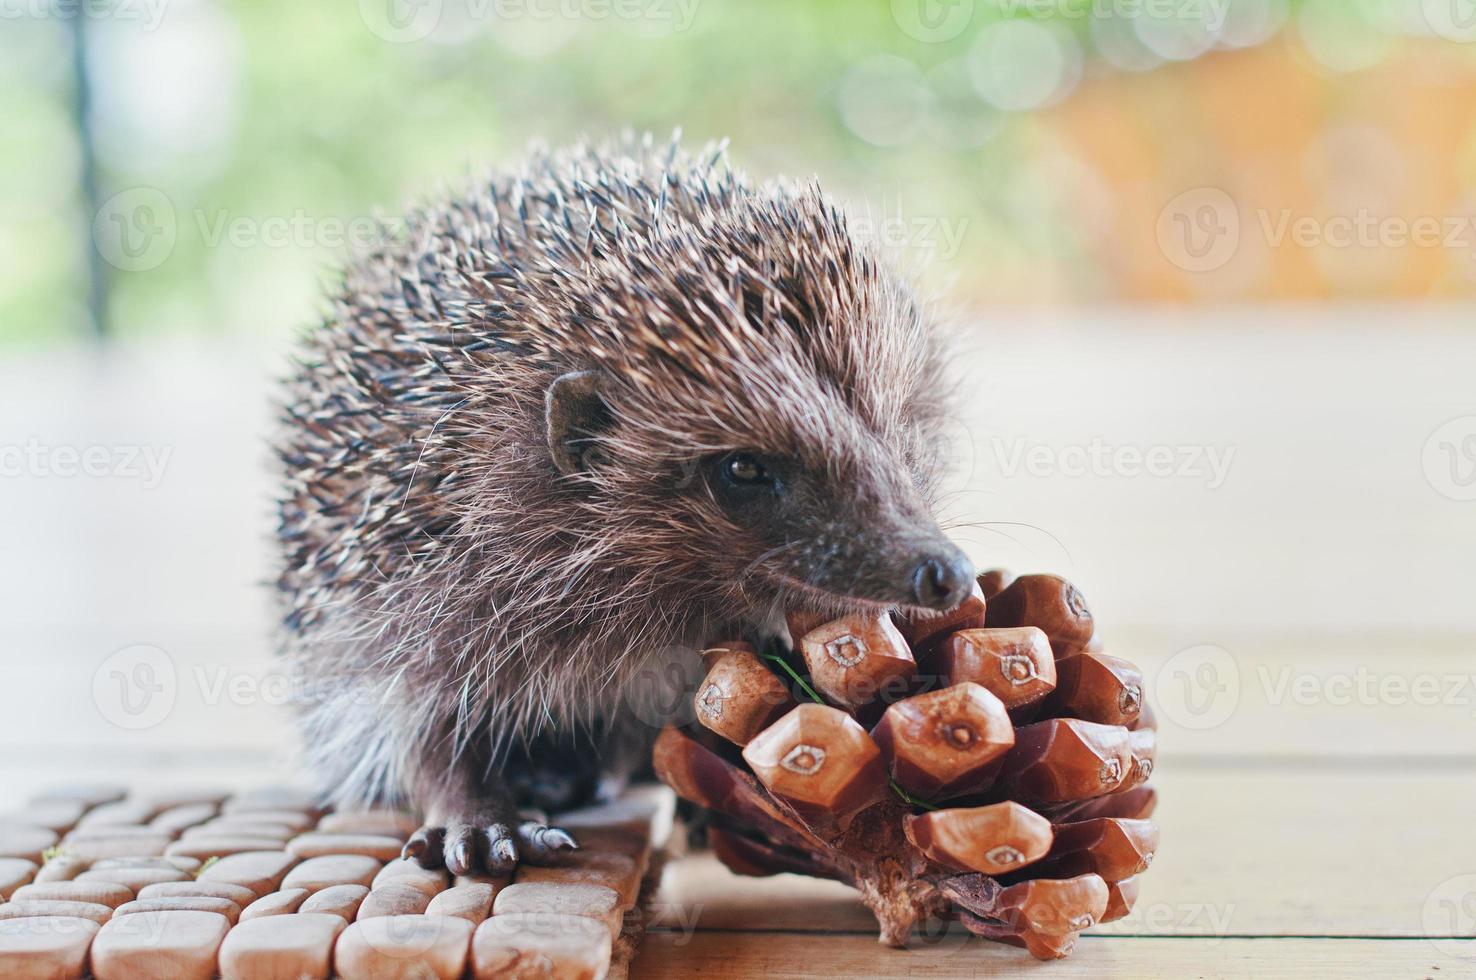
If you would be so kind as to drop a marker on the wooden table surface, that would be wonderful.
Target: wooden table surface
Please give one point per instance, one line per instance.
(1321, 822)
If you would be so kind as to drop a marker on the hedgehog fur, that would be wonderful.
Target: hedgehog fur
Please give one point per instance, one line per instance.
(445, 587)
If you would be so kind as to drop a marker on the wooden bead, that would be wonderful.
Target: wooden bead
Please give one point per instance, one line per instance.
(945, 742)
(1048, 602)
(315, 844)
(133, 878)
(1015, 664)
(297, 946)
(340, 900)
(516, 946)
(407, 871)
(139, 836)
(277, 834)
(555, 901)
(991, 839)
(297, 821)
(924, 627)
(260, 871)
(1096, 687)
(61, 867)
(181, 818)
(1066, 759)
(854, 659)
(413, 947)
(15, 872)
(392, 900)
(472, 902)
(177, 819)
(740, 697)
(181, 945)
(100, 892)
(122, 812)
(242, 896)
(617, 872)
(332, 869)
(94, 849)
(45, 947)
(24, 841)
(47, 907)
(206, 846)
(156, 862)
(391, 823)
(823, 763)
(284, 902)
(193, 903)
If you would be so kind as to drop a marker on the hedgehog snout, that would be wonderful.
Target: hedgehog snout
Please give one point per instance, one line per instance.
(942, 580)
(904, 566)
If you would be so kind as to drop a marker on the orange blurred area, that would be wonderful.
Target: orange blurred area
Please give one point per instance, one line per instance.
(1260, 174)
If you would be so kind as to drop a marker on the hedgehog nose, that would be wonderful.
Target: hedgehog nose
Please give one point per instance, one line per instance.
(943, 580)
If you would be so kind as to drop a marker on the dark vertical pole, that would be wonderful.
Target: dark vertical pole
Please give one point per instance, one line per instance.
(97, 270)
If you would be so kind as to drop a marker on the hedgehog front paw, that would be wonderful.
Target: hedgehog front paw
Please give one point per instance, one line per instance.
(469, 846)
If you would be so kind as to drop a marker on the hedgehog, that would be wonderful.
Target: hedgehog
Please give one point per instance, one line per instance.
(555, 431)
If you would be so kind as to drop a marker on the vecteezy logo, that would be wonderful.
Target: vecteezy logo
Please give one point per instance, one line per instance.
(401, 21)
(135, 230)
(664, 689)
(1450, 458)
(1199, 688)
(135, 688)
(933, 21)
(1449, 915)
(1199, 231)
(1454, 20)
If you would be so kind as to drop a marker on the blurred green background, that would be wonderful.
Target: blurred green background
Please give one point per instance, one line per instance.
(201, 166)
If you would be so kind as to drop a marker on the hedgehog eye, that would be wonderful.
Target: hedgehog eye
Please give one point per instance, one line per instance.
(744, 479)
(744, 469)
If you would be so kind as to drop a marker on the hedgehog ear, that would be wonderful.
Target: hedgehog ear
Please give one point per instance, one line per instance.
(576, 411)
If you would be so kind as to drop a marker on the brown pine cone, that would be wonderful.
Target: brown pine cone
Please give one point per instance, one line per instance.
(987, 765)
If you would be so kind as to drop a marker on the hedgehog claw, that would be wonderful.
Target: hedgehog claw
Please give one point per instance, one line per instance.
(502, 854)
(539, 843)
(461, 848)
(425, 846)
(466, 847)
